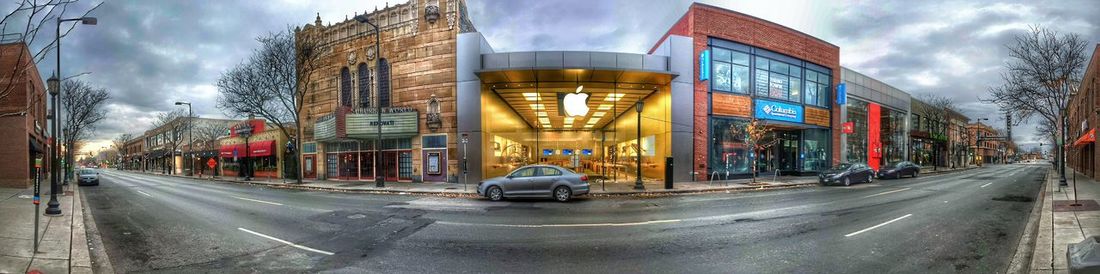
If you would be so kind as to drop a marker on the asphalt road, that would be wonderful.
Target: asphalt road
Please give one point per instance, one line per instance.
(966, 221)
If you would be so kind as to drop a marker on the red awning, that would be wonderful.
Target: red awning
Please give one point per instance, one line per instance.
(258, 149)
(1089, 137)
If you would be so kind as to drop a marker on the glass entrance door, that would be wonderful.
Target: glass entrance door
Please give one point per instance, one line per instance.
(389, 165)
(788, 150)
(349, 166)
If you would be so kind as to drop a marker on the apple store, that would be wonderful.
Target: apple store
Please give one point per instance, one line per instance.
(594, 112)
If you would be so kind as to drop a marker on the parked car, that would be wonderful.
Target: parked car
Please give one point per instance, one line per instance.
(846, 174)
(88, 177)
(539, 181)
(898, 169)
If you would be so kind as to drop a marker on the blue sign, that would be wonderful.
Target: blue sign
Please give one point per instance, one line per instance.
(704, 65)
(547, 152)
(841, 94)
(773, 110)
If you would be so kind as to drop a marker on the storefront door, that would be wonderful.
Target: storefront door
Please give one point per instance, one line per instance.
(349, 166)
(389, 165)
(309, 166)
(366, 166)
(788, 150)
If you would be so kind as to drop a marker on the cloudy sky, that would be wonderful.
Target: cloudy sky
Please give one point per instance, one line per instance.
(149, 54)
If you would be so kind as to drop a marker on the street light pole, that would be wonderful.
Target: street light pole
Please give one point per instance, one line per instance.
(362, 18)
(190, 137)
(1062, 146)
(53, 207)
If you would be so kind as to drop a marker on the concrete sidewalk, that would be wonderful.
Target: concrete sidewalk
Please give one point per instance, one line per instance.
(1060, 224)
(598, 188)
(63, 244)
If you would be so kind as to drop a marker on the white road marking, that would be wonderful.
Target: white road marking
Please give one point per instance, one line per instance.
(888, 192)
(258, 201)
(985, 185)
(877, 226)
(306, 248)
(143, 192)
(565, 225)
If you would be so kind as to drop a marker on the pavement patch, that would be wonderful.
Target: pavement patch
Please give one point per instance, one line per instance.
(1067, 205)
(1013, 198)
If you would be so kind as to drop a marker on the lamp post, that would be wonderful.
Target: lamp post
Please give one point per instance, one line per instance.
(190, 140)
(638, 176)
(362, 18)
(53, 207)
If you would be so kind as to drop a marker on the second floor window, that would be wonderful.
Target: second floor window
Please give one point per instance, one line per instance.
(345, 87)
(364, 86)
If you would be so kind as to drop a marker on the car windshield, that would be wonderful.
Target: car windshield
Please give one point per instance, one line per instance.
(893, 165)
(87, 171)
(843, 166)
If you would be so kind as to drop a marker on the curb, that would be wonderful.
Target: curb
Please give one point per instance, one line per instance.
(99, 261)
(1025, 249)
(473, 195)
(79, 255)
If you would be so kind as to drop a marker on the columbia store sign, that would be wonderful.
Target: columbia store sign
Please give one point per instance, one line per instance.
(772, 110)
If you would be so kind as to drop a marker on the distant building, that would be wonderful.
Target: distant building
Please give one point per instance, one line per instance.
(22, 116)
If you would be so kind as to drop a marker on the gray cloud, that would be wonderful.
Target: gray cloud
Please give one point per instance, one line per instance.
(149, 54)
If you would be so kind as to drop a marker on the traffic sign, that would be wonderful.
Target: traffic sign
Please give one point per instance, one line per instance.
(211, 163)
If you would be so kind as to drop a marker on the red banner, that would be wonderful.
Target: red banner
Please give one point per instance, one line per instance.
(874, 143)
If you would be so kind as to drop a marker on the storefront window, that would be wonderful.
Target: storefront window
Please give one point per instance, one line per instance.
(893, 135)
(731, 70)
(857, 140)
(815, 149)
(728, 151)
(817, 88)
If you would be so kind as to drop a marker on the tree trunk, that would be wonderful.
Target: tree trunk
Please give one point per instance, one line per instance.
(298, 156)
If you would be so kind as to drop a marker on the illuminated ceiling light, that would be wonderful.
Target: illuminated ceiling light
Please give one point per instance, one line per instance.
(605, 107)
(544, 120)
(569, 120)
(538, 107)
(589, 126)
(568, 126)
(598, 114)
(531, 96)
(540, 114)
(614, 97)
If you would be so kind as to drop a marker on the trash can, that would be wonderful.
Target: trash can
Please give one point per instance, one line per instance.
(1084, 257)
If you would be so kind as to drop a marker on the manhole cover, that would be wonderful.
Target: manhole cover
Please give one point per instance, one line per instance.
(1066, 205)
(356, 216)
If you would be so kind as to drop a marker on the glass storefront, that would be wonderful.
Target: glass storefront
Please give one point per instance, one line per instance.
(354, 160)
(890, 133)
(795, 150)
(529, 124)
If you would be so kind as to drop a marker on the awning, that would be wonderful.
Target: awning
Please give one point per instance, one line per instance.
(1089, 137)
(258, 149)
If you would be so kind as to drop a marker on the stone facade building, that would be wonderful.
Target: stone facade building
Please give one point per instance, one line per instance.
(412, 78)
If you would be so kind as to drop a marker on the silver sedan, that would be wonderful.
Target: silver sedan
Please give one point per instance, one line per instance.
(536, 181)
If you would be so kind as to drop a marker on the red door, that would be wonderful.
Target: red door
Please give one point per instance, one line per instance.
(349, 166)
(389, 165)
(309, 166)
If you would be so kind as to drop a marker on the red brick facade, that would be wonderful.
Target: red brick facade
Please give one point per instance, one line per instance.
(22, 115)
(702, 21)
(1083, 118)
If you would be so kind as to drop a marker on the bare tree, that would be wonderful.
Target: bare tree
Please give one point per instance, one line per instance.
(207, 134)
(272, 84)
(757, 136)
(174, 127)
(84, 107)
(22, 25)
(1045, 68)
(119, 144)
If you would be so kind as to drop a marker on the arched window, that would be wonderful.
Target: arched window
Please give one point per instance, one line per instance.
(364, 85)
(383, 82)
(345, 87)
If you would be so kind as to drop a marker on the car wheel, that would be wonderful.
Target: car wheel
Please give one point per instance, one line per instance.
(870, 178)
(915, 174)
(563, 193)
(847, 181)
(495, 193)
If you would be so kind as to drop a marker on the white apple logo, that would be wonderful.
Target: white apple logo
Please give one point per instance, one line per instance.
(576, 104)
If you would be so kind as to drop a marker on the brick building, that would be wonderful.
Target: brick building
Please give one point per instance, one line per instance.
(1081, 130)
(985, 151)
(811, 63)
(22, 116)
(133, 153)
(412, 79)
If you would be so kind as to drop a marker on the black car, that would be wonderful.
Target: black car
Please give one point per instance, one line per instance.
(898, 169)
(846, 174)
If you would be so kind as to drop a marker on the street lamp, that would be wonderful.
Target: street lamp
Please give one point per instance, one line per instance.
(638, 176)
(53, 207)
(362, 18)
(190, 140)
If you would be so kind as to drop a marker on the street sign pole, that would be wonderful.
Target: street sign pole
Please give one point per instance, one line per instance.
(465, 170)
(37, 198)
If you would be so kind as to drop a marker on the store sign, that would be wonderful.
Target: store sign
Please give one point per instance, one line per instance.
(772, 110)
(848, 127)
(393, 125)
(841, 94)
(704, 65)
